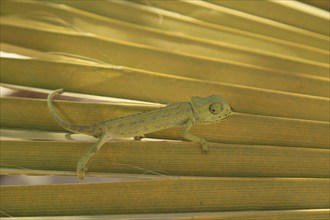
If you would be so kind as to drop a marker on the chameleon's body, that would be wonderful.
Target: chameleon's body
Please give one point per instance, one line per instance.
(200, 110)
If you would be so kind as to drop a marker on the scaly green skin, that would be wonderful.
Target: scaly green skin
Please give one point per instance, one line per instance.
(200, 110)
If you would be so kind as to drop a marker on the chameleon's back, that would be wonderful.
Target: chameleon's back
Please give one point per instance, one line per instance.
(150, 121)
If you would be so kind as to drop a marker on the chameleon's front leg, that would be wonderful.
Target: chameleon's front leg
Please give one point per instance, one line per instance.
(192, 137)
(82, 163)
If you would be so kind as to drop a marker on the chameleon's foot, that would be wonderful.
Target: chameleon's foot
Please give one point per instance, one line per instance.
(139, 138)
(204, 146)
(68, 136)
(81, 169)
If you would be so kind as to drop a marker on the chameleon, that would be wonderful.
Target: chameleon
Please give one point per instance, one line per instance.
(200, 110)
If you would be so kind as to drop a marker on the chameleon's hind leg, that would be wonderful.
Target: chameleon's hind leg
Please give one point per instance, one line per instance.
(82, 163)
(187, 135)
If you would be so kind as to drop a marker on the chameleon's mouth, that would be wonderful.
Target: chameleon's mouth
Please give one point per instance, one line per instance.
(221, 118)
(227, 114)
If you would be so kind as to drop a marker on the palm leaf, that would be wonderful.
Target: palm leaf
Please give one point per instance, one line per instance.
(270, 159)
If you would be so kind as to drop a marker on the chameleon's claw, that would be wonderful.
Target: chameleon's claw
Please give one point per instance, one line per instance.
(204, 145)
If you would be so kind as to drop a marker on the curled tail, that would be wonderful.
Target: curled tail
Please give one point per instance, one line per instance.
(67, 125)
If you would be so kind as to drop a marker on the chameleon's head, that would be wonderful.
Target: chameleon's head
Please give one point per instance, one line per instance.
(210, 109)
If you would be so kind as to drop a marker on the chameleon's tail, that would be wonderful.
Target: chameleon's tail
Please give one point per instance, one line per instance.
(67, 125)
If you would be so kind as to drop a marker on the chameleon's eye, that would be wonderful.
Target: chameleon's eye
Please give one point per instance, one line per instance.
(216, 108)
